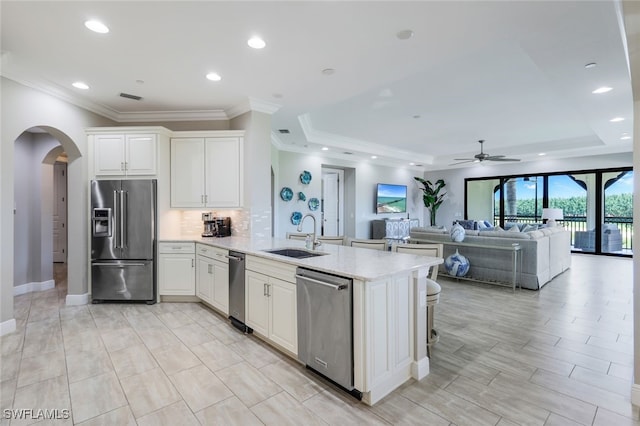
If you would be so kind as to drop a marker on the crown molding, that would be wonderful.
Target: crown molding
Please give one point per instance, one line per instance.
(277, 142)
(252, 104)
(151, 116)
(81, 103)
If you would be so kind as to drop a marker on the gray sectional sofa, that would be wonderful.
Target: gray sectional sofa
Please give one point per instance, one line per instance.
(546, 253)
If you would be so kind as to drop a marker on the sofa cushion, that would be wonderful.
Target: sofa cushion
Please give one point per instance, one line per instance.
(466, 224)
(514, 229)
(506, 234)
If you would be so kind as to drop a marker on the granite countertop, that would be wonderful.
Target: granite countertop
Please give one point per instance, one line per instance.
(358, 263)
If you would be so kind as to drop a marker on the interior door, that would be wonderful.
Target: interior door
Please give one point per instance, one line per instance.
(60, 212)
(330, 204)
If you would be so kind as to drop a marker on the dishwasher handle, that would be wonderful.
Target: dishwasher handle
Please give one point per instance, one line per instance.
(235, 258)
(337, 287)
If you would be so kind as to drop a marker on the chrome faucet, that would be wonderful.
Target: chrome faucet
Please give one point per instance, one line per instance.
(316, 243)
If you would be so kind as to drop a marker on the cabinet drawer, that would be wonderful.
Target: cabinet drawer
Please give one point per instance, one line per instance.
(212, 252)
(176, 247)
(272, 268)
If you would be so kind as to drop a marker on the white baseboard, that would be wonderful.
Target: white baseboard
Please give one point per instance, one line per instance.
(635, 394)
(7, 327)
(35, 286)
(77, 299)
(420, 369)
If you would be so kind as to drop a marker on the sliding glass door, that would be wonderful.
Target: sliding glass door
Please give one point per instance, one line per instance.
(596, 205)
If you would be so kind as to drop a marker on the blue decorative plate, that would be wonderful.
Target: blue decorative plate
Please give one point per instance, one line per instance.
(305, 177)
(286, 194)
(296, 217)
(314, 203)
(301, 196)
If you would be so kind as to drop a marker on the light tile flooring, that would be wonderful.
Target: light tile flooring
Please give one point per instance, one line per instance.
(560, 356)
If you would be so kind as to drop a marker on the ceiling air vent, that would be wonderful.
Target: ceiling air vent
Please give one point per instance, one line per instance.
(284, 131)
(128, 96)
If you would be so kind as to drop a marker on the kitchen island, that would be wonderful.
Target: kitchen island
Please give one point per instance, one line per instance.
(389, 305)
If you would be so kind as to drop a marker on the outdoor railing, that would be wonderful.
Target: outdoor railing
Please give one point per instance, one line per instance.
(579, 223)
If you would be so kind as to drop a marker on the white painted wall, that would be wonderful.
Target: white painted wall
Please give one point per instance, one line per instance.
(359, 204)
(257, 170)
(23, 108)
(33, 190)
(455, 178)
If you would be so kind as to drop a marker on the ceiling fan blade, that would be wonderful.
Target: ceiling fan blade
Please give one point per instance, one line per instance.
(502, 159)
(493, 157)
(464, 160)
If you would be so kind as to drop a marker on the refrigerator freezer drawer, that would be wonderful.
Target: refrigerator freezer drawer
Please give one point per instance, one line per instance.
(118, 280)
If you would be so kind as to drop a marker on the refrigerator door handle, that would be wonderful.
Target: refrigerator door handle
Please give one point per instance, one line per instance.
(117, 265)
(116, 218)
(123, 219)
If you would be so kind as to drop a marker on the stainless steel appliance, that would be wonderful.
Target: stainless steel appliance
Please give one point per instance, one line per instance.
(325, 326)
(216, 226)
(236, 291)
(123, 243)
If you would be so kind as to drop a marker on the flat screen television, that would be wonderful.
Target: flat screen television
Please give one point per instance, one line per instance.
(391, 198)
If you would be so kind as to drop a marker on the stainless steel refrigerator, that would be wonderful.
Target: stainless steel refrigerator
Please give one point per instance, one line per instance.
(123, 242)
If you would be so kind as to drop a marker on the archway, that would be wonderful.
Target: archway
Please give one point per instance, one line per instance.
(33, 196)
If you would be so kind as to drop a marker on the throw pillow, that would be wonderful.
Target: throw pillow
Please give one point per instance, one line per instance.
(514, 229)
(528, 228)
(481, 225)
(488, 224)
(498, 228)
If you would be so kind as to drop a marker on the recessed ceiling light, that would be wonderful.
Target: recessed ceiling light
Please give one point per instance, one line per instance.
(256, 43)
(80, 85)
(277, 95)
(416, 116)
(542, 154)
(404, 34)
(140, 81)
(590, 65)
(374, 157)
(412, 164)
(603, 89)
(328, 71)
(625, 138)
(616, 119)
(214, 76)
(347, 153)
(96, 26)
(324, 148)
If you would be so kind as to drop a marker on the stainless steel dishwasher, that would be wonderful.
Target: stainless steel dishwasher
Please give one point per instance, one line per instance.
(236, 291)
(325, 326)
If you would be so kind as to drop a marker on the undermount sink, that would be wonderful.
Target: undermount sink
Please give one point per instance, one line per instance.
(295, 253)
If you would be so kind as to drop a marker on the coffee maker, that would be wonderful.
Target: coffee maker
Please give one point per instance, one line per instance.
(216, 226)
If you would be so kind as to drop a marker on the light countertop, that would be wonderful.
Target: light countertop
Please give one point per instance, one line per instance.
(357, 263)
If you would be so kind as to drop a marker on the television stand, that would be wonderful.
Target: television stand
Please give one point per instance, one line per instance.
(393, 229)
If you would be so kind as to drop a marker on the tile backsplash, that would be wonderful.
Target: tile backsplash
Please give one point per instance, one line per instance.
(243, 222)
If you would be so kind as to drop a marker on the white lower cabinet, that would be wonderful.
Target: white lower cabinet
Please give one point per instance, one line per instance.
(212, 278)
(271, 309)
(176, 269)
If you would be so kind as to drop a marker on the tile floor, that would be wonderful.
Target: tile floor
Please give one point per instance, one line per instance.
(560, 356)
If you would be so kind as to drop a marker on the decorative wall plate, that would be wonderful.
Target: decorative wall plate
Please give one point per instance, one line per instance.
(314, 203)
(305, 177)
(296, 217)
(286, 194)
(301, 196)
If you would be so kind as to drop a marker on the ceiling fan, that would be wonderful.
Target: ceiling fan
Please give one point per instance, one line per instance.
(479, 158)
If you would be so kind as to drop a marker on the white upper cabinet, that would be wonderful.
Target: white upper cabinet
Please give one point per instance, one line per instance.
(125, 155)
(187, 172)
(206, 170)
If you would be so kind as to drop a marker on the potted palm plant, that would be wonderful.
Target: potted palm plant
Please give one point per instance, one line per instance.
(431, 196)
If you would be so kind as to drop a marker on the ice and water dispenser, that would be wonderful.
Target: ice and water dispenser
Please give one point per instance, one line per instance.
(101, 222)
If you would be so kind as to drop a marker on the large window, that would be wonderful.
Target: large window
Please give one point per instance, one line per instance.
(597, 205)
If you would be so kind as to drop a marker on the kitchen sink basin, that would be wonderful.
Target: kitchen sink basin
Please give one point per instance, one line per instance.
(295, 253)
